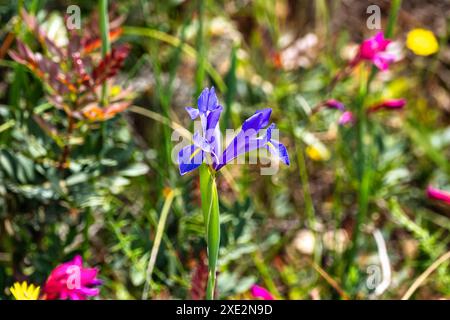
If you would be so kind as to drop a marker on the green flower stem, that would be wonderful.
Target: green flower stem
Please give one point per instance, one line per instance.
(210, 209)
(393, 14)
(309, 204)
(363, 190)
(361, 130)
(106, 45)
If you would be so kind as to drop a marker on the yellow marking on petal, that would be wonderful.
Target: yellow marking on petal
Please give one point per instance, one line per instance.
(194, 153)
(422, 42)
(272, 146)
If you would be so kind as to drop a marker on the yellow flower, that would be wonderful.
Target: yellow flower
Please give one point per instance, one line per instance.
(25, 292)
(317, 153)
(422, 42)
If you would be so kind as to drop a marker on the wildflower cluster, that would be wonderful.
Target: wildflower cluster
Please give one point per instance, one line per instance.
(69, 280)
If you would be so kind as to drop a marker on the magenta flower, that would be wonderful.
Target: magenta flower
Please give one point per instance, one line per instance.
(437, 194)
(334, 104)
(261, 293)
(374, 50)
(71, 281)
(390, 104)
(346, 117)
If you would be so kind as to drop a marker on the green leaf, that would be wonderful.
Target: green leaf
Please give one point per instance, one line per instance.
(211, 215)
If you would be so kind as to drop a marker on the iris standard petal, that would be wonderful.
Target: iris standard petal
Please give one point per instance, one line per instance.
(212, 120)
(201, 142)
(193, 113)
(212, 99)
(269, 131)
(207, 100)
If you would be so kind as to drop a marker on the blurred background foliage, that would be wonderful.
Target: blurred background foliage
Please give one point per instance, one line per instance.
(288, 232)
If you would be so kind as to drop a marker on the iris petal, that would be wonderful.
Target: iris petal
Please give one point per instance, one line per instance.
(212, 120)
(246, 140)
(207, 100)
(277, 149)
(257, 121)
(201, 142)
(189, 158)
(193, 113)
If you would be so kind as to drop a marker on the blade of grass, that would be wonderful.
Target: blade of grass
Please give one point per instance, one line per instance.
(157, 242)
(363, 178)
(418, 282)
(230, 80)
(106, 45)
(332, 282)
(265, 274)
(201, 52)
(393, 14)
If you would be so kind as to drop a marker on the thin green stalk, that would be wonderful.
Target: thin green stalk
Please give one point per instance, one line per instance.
(106, 48)
(393, 14)
(363, 190)
(200, 73)
(210, 209)
(106, 45)
(231, 82)
(157, 242)
(361, 124)
(265, 273)
(309, 204)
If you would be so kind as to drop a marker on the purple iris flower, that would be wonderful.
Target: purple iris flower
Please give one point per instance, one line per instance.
(248, 139)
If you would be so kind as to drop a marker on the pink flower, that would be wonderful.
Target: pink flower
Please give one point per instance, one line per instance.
(71, 281)
(346, 117)
(374, 49)
(438, 194)
(390, 104)
(261, 293)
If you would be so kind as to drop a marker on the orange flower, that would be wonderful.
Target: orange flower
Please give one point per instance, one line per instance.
(94, 112)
